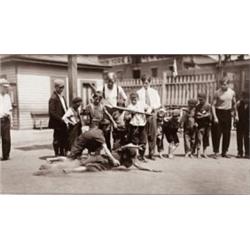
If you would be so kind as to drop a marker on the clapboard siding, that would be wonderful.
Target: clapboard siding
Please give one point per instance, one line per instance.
(9, 69)
(34, 92)
(34, 88)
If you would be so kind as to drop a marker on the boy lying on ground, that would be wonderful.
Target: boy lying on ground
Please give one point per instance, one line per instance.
(126, 155)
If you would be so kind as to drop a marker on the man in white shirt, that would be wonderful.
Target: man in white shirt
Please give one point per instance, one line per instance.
(5, 115)
(112, 95)
(57, 109)
(151, 99)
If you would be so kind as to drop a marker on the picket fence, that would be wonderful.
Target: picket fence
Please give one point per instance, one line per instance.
(175, 91)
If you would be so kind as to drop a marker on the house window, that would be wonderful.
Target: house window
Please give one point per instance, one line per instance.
(154, 72)
(136, 74)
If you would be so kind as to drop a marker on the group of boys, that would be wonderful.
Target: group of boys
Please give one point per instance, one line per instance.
(121, 127)
(137, 122)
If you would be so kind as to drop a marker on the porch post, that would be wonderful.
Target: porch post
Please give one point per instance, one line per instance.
(72, 76)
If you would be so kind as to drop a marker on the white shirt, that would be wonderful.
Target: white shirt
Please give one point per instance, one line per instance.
(62, 102)
(5, 105)
(155, 101)
(224, 99)
(71, 117)
(111, 94)
(137, 119)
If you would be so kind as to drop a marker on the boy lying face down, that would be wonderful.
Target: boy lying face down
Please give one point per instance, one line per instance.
(94, 141)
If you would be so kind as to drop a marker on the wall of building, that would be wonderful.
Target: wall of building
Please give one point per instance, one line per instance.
(9, 70)
(162, 67)
(35, 88)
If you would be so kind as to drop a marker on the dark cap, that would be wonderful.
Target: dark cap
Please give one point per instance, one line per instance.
(192, 102)
(176, 112)
(104, 122)
(133, 95)
(98, 94)
(76, 100)
(202, 95)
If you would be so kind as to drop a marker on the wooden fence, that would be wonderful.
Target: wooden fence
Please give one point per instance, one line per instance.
(175, 91)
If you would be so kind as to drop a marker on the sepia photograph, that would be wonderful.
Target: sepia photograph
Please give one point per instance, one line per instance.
(125, 124)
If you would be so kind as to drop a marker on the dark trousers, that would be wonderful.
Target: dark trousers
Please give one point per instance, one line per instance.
(137, 135)
(5, 135)
(73, 133)
(242, 138)
(60, 141)
(107, 136)
(222, 128)
(159, 143)
(151, 130)
(189, 140)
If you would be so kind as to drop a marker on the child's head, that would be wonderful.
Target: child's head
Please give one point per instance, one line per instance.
(202, 98)
(192, 103)
(160, 115)
(224, 83)
(175, 114)
(134, 98)
(245, 96)
(76, 102)
(104, 124)
(97, 97)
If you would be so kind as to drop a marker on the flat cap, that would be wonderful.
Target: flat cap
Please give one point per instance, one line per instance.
(176, 112)
(76, 100)
(59, 82)
(192, 102)
(4, 82)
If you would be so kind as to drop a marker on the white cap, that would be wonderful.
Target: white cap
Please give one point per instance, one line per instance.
(4, 82)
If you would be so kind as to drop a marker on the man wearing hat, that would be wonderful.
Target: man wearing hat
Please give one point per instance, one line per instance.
(57, 109)
(5, 114)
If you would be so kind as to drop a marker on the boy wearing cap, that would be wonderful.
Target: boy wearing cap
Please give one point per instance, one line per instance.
(5, 116)
(137, 122)
(189, 124)
(203, 120)
(242, 126)
(73, 121)
(96, 111)
(170, 130)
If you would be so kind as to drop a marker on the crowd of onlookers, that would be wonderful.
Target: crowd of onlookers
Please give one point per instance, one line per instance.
(140, 119)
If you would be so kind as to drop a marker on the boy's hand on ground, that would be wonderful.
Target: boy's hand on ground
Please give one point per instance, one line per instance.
(116, 163)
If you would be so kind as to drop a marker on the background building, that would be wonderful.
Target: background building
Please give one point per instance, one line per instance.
(31, 79)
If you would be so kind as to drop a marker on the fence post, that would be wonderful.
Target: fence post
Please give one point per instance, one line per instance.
(163, 89)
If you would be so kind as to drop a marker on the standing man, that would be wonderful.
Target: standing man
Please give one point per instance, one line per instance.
(57, 109)
(151, 99)
(5, 115)
(112, 94)
(223, 104)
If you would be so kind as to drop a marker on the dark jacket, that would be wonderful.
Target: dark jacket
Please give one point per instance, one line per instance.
(56, 112)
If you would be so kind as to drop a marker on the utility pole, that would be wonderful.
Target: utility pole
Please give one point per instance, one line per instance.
(72, 76)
